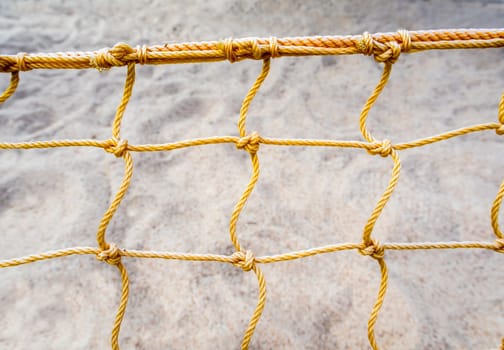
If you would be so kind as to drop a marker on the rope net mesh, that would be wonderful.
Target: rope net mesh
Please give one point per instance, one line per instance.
(384, 47)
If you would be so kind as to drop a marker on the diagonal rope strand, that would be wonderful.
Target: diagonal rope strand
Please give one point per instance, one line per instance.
(11, 89)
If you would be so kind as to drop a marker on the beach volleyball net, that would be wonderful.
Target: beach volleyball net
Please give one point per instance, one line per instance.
(385, 48)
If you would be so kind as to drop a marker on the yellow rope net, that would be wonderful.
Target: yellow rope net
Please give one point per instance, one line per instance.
(384, 47)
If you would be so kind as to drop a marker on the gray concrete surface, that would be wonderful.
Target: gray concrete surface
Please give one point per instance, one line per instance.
(306, 197)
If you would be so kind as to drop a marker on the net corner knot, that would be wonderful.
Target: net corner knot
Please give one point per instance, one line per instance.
(117, 147)
(383, 148)
(109, 57)
(244, 260)
(388, 52)
(250, 143)
(227, 47)
(111, 255)
(373, 249)
(141, 52)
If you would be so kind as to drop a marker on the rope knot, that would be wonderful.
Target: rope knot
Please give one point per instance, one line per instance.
(111, 255)
(244, 260)
(273, 47)
(500, 130)
(262, 51)
(228, 49)
(374, 249)
(250, 143)
(118, 147)
(385, 52)
(21, 62)
(383, 148)
(257, 51)
(366, 44)
(141, 52)
(390, 54)
(499, 245)
(107, 58)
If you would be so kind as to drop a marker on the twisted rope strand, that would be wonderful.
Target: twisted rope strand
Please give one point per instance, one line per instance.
(110, 144)
(384, 149)
(266, 259)
(251, 145)
(113, 254)
(379, 302)
(121, 310)
(253, 155)
(384, 47)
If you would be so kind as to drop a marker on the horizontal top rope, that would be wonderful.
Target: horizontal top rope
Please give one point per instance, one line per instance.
(383, 46)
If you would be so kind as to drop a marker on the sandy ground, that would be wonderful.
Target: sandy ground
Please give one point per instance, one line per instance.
(306, 197)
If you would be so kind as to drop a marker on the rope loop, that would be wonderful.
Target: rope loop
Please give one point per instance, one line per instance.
(257, 51)
(106, 58)
(21, 62)
(373, 249)
(365, 45)
(405, 40)
(244, 260)
(111, 255)
(141, 52)
(273, 47)
(383, 148)
(250, 143)
(118, 147)
(228, 49)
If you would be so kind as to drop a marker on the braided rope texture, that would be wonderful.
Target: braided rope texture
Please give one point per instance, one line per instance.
(385, 48)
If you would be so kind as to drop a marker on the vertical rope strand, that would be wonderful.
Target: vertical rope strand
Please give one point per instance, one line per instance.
(121, 310)
(372, 247)
(128, 160)
(253, 156)
(494, 214)
(380, 205)
(119, 149)
(128, 90)
(243, 200)
(378, 304)
(396, 170)
(371, 101)
(250, 96)
(123, 188)
(247, 145)
(261, 303)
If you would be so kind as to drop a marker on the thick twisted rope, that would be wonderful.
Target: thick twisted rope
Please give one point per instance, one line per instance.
(385, 48)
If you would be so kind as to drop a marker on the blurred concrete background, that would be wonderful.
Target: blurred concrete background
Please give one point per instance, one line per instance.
(306, 197)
